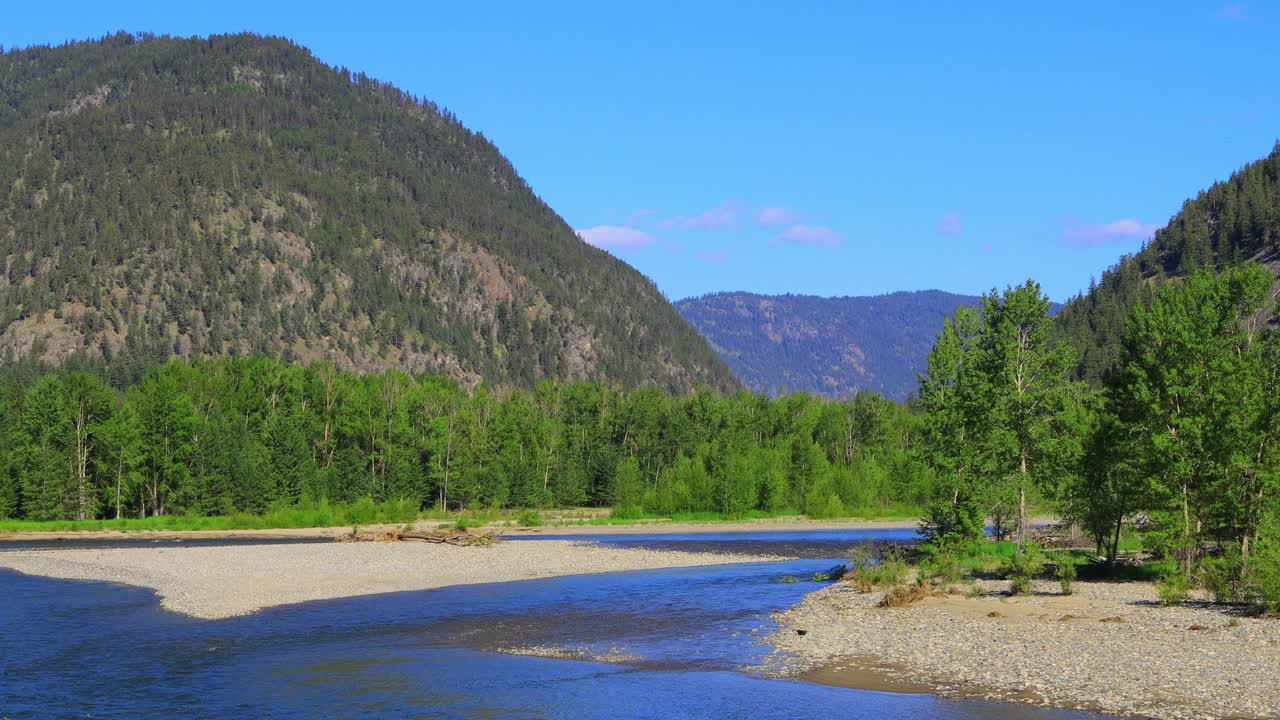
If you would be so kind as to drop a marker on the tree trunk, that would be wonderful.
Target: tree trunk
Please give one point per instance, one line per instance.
(1186, 529)
(119, 482)
(1022, 503)
(82, 463)
(1115, 542)
(448, 452)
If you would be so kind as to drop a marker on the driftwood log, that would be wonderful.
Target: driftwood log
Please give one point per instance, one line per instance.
(451, 536)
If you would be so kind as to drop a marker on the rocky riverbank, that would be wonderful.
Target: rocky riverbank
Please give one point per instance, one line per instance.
(223, 581)
(1109, 647)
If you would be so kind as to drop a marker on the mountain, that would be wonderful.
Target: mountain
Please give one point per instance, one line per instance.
(828, 346)
(233, 195)
(1234, 220)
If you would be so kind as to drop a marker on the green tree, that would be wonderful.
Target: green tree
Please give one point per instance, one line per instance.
(953, 392)
(628, 486)
(1196, 386)
(1025, 372)
(121, 464)
(167, 419)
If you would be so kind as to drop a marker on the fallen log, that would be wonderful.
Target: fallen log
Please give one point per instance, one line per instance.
(451, 536)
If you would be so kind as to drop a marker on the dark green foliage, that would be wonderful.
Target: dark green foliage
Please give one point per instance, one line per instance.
(233, 196)
(219, 437)
(833, 347)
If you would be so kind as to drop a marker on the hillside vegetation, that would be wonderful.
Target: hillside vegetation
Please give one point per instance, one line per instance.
(1234, 220)
(829, 346)
(233, 195)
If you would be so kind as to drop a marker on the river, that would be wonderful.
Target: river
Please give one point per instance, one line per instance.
(682, 642)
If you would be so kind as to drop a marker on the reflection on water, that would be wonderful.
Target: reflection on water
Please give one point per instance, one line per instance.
(79, 649)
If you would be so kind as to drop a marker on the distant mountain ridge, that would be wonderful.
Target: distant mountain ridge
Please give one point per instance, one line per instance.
(830, 346)
(233, 195)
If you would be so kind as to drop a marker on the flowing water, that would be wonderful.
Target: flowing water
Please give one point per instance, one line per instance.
(678, 642)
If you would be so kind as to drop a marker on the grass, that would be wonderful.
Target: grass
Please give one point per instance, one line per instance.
(904, 594)
(364, 512)
(321, 514)
(988, 558)
(633, 517)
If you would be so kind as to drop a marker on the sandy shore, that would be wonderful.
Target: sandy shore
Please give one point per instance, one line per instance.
(1108, 648)
(218, 582)
(657, 526)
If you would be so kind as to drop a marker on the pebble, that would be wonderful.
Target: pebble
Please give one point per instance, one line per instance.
(1140, 659)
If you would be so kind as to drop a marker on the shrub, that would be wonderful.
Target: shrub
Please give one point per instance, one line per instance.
(1172, 588)
(943, 565)
(831, 507)
(1066, 566)
(834, 573)
(465, 523)
(903, 594)
(626, 513)
(529, 518)
(363, 511)
(865, 573)
(1022, 567)
(1223, 577)
(1264, 567)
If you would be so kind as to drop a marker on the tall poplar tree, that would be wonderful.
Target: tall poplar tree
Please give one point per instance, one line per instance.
(1025, 374)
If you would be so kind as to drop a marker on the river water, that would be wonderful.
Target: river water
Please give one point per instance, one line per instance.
(681, 641)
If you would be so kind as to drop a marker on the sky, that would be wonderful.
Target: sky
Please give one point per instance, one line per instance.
(844, 148)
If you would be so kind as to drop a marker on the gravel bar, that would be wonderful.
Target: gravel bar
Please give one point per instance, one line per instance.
(219, 582)
(1109, 647)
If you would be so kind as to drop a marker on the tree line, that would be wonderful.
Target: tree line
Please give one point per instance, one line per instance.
(1181, 441)
(245, 435)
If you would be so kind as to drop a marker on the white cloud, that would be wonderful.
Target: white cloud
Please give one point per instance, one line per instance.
(1125, 230)
(812, 235)
(776, 216)
(720, 216)
(616, 237)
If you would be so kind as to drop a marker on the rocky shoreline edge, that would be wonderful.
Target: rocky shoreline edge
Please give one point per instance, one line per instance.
(1110, 647)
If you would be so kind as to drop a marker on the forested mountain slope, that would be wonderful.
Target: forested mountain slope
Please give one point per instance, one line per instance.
(1234, 220)
(233, 195)
(829, 346)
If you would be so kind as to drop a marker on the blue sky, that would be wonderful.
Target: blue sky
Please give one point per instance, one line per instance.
(841, 148)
